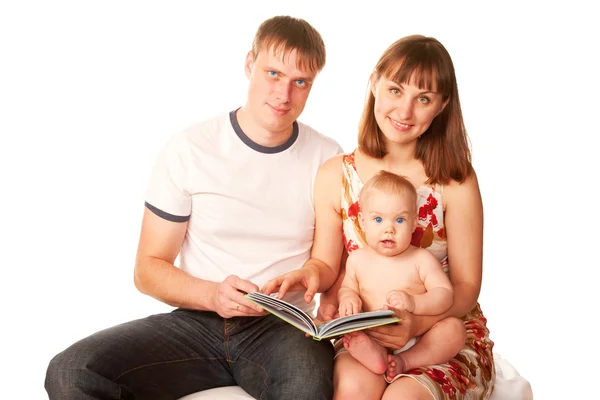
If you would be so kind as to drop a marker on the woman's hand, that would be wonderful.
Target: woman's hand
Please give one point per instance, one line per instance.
(395, 336)
(327, 312)
(306, 277)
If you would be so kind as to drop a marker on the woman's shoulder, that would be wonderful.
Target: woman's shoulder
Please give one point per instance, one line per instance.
(333, 166)
(455, 191)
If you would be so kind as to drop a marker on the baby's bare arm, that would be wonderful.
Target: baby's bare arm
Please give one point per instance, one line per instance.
(438, 297)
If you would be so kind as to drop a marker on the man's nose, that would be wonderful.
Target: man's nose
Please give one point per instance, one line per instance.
(284, 91)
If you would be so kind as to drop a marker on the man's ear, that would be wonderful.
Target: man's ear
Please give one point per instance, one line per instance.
(249, 63)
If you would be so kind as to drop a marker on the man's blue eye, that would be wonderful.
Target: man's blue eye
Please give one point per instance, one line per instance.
(300, 82)
(378, 219)
(272, 73)
(399, 220)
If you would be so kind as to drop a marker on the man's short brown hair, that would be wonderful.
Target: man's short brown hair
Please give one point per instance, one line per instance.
(283, 34)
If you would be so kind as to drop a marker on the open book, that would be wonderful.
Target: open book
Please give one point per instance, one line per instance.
(333, 328)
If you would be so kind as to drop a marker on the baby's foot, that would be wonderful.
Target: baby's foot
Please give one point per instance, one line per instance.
(368, 352)
(395, 366)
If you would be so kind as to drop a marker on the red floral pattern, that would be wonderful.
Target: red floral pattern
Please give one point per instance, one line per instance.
(471, 374)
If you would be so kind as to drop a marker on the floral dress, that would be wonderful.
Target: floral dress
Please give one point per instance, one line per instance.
(471, 374)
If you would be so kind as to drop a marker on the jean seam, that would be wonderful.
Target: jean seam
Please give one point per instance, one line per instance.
(163, 363)
(265, 378)
(225, 344)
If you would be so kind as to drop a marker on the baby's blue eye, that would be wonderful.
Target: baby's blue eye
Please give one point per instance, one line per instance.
(378, 220)
(399, 220)
(272, 73)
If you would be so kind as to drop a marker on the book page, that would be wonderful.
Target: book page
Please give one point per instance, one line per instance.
(285, 311)
(366, 319)
(341, 329)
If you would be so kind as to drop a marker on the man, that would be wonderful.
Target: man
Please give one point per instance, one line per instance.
(232, 196)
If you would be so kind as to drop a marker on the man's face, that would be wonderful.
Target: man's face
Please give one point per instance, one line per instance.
(278, 89)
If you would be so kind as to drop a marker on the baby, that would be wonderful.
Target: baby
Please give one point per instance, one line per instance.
(389, 270)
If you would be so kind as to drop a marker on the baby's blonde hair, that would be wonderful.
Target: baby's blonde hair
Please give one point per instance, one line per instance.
(389, 183)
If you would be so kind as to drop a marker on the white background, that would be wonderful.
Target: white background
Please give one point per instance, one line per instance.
(91, 91)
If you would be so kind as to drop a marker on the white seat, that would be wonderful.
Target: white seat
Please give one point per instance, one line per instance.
(509, 386)
(227, 392)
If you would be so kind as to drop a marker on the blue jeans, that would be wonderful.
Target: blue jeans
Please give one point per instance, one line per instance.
(167, 356)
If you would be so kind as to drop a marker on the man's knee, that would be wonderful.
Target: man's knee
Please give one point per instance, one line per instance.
(70, 375)
(62, 375)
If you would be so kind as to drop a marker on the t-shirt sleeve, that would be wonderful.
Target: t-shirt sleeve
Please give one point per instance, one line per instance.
(166, 195)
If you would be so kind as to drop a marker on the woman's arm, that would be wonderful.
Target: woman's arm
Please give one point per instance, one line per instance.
(464, 230)
(463, 221)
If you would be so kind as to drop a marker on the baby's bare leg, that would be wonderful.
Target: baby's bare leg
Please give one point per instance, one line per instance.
(367, 351)
(437, 346)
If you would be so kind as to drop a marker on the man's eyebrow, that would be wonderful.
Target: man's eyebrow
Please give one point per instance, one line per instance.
(303, 78)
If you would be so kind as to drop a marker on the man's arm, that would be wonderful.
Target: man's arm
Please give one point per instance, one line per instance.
(156, 275)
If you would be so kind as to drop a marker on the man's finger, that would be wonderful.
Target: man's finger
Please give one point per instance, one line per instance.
(245, 286)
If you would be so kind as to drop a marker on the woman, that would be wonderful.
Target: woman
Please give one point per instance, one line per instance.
(411, 125)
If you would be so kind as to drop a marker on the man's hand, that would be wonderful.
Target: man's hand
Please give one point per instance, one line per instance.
(394, 336)
(305, 278)
(229, 300)
(399, 299)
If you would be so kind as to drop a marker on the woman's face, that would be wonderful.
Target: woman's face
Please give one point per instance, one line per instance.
(404, 111)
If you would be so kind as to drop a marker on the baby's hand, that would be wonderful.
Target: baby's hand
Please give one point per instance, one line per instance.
(401, 299)
(350, 306)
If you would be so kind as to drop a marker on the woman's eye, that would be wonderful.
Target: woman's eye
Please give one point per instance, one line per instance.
(423, 100)
(399, 220)
(395, 90)
(378, 220)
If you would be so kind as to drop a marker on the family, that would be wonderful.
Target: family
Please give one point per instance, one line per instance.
(254, 200)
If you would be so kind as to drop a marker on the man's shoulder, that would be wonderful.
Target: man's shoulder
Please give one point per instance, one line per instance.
(200, 134)
(212, 125)
(316, 139)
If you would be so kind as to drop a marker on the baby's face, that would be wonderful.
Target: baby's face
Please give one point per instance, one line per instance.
(388, 221)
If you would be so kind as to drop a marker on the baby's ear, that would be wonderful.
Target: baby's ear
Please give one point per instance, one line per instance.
(361, 220)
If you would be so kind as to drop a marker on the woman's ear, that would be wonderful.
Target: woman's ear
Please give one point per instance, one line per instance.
(373, 83)
(444, 104)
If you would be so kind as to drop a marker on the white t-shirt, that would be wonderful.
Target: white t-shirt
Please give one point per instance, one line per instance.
(250, 207)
